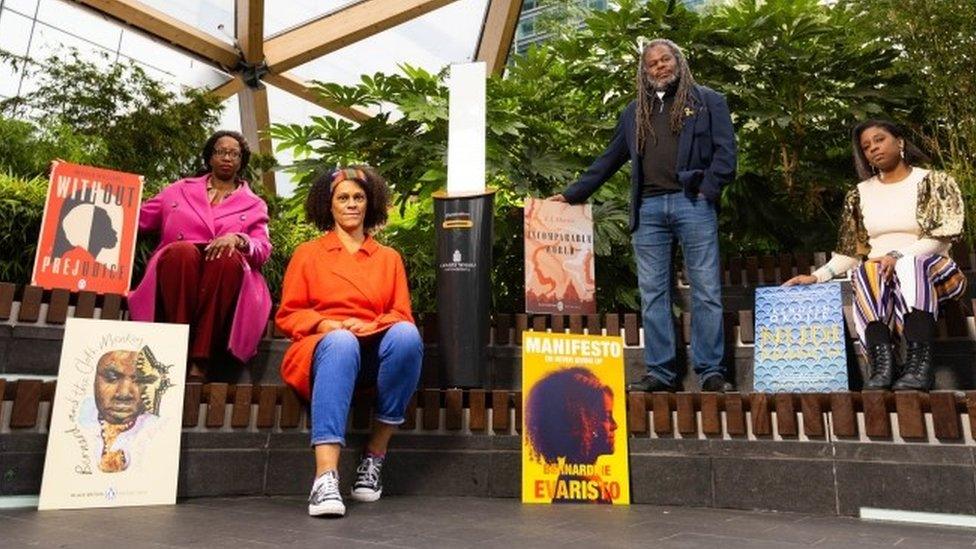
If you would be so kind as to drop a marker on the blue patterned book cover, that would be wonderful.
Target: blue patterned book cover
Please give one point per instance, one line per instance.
(800, 340)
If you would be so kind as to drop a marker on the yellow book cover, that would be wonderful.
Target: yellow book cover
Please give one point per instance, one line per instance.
(574, 432)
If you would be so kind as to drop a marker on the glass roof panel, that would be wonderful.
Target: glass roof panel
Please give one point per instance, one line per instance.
(444, 36)
(280, 16)
(205, 15)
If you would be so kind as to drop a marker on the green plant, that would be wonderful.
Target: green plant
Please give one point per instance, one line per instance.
(21, 209)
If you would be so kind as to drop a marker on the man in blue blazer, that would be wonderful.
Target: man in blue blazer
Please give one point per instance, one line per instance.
(680, 142)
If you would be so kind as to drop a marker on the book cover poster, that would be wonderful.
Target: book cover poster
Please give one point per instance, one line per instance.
(800, 339)
(117, 414)
(574, 422)
(88, 232)
(559, 259)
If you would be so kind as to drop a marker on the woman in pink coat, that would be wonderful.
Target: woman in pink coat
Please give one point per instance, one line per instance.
(206, 271)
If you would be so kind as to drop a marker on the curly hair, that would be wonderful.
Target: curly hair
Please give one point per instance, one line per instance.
(318, 203)
(563, 416)
(211, 144)
(913, 155)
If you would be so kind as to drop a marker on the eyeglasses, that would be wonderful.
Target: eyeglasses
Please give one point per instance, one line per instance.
(229, 153)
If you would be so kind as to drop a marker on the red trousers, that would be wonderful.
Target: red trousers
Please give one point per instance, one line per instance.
(191, 290)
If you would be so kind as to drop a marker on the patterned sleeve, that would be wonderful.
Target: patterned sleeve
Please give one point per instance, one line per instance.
(852, 238)
(941, 212)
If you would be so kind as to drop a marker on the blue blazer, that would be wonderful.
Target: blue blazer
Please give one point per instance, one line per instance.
(706, 154)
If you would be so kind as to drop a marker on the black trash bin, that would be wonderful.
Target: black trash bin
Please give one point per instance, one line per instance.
(464, 227)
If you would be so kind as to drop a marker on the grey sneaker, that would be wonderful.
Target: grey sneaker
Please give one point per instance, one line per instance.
(369, 484)
(325, 499)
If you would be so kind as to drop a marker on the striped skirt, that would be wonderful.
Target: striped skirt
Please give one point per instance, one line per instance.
(919, 282)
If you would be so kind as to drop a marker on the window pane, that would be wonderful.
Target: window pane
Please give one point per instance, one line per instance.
(83, 24)
(14, 32)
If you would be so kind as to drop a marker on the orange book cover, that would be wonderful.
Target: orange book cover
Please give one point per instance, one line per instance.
(559, 258)
(88, 232)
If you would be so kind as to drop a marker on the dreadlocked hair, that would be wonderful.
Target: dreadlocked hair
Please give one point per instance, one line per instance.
(683, 97)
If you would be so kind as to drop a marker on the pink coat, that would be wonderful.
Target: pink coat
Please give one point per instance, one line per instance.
(182, 212)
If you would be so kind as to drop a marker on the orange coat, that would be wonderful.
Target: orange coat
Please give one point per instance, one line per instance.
(325, 281)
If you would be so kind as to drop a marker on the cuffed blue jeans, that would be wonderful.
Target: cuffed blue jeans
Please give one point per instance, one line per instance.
(391, 360)
(694, 222)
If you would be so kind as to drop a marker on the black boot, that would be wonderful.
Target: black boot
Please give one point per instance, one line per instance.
(919, 333)
(881, 356)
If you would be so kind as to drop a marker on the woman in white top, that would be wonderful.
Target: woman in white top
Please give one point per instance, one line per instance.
(896, 230)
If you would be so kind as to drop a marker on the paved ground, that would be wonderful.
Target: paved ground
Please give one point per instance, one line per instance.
(452, 522)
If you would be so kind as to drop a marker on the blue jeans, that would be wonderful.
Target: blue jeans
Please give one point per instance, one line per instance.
(695, 223)
(391, 360)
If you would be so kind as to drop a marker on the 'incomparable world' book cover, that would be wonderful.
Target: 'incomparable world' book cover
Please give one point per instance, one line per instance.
(574, 420)
(800, 339)
(559, 260)
(88, 232)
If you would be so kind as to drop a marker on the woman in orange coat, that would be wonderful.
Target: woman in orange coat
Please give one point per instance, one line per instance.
(346, 306)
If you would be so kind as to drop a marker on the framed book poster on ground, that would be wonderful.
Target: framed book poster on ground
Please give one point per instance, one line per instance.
(574, 432)
(117, 415)
(800, 346)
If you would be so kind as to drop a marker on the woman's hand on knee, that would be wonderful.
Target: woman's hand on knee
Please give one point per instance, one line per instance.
(359, 326)
(221, 246)
(801, 280)
(325, 326)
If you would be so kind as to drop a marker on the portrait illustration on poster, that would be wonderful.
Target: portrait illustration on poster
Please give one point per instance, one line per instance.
(800, 344)
(116, 419)
(574, 436)
(559, 259)
(88, 232)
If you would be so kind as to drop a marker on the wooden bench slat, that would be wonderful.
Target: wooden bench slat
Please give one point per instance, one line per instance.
(747, 327)
(752, 270)
(762, 422)
(3, 388)
(911, 421)
(539, 323)
(631, 329)
(503, 323)
(735, 270)
(57, 307)
(945, 418)
(7, 292)
(711, 416)
(410, 415)
(813, 420)
(454, 415)
(291, 409)
(267, 403)
(576, 324)
(685, 408)
(476, 410)
(240, 415)
(111, 307)
(27, 399)
(558, 323)
(842, 414)
(521, 325)
(662, 413)
(768, 269)
(593, 325)
(30, 304)
(216, 405)
(85, 304)
(432, 409)
(785, 267)
(191, 404)
(637, 412)
(735, 417)
(877, 422)
(612, 323)
(785, 415)
(499, 411)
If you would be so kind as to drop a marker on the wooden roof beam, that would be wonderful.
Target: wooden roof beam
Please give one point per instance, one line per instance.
(498, 33)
